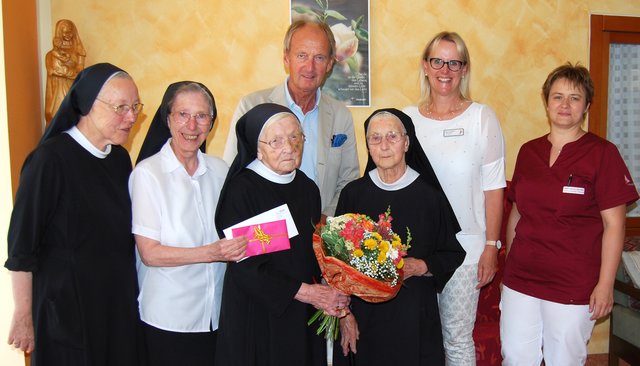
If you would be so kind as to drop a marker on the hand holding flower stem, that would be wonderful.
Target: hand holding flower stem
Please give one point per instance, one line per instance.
(331, 305)
(324, 297)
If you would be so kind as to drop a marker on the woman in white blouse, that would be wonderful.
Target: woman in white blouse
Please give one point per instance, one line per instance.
(174, 192)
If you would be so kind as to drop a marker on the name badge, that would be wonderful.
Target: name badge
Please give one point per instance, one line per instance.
(572, 190)
(453, 132)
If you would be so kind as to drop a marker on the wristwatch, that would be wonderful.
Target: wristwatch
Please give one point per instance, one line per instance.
(495, 243)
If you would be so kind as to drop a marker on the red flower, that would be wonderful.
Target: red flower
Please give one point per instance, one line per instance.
(353, 232)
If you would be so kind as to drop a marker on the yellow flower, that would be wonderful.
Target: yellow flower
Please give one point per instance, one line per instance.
(384, 246)
(382, 257)
(396, 242)
(377, 236)
(370, 244)
(358, 253)
(400, 264)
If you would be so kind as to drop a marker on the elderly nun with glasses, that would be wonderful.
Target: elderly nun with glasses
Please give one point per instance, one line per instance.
(174, 190)
(71, 252)
(405, 330)
(268, 298)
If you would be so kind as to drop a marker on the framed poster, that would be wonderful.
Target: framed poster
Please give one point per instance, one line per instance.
(349, 20)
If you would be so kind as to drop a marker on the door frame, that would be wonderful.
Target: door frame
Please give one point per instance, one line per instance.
(607, 29)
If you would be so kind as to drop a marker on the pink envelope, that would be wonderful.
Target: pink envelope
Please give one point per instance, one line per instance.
(264, 238)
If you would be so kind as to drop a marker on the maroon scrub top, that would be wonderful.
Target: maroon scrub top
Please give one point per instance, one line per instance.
(556, 251)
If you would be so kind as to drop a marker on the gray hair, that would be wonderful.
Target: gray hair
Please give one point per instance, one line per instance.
(298, 24)
(385, 114)
(275, 118)
(195, 88)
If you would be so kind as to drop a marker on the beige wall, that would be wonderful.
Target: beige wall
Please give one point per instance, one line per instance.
(234, 47)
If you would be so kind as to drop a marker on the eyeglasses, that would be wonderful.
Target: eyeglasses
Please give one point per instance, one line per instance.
(391, 136)
(123, 109)
(453, 65)
(278, 142)
(182, 117)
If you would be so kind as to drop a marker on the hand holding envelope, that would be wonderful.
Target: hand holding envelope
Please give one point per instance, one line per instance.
(267, 232)
(226, 250)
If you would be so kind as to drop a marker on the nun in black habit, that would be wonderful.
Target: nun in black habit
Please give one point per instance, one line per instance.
(70, 247)
(405, 330)
(267, 299)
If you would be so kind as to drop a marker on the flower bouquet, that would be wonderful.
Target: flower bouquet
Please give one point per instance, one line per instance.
(360, 257)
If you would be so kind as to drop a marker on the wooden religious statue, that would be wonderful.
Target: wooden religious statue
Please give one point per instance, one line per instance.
(63, 62)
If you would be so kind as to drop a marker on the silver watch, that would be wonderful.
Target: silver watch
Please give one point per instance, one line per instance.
(495, 243)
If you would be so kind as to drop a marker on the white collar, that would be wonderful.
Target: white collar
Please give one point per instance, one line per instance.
(268, 174)
(407, 178)
(81, 139)
(172, 163)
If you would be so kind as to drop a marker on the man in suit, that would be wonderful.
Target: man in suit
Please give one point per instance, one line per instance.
(330, 157)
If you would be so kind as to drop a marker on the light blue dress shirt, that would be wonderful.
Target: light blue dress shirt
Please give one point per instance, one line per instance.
(310, 128)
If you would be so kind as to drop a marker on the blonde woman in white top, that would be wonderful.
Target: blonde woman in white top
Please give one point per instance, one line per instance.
(464, 144)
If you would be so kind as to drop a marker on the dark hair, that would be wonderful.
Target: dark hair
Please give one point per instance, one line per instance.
(577, 75)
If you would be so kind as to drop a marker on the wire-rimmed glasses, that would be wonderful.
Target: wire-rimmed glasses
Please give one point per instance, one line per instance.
(392, 137)
(183, 117)
(278, 142)
(123, 109)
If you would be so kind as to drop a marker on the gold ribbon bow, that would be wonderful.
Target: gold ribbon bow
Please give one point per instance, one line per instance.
(263, 238)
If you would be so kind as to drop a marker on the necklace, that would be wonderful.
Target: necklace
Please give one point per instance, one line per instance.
(558, 144)
(444, 116)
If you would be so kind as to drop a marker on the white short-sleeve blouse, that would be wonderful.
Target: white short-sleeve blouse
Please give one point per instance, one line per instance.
(178, 210)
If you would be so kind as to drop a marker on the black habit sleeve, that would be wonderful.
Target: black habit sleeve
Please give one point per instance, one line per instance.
(39, 191)
(447, 253)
